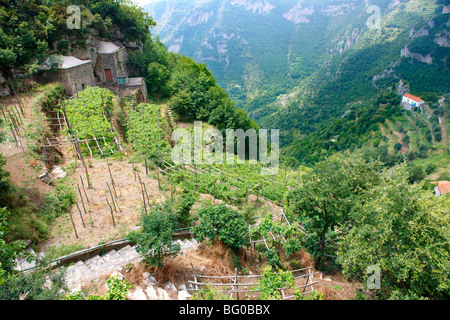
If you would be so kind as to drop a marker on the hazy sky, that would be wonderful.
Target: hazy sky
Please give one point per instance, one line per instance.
(142, 2)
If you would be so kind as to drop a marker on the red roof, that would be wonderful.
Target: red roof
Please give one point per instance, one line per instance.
(443, 186)
(414, 98)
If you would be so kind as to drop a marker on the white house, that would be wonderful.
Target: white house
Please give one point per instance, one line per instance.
(413, 100)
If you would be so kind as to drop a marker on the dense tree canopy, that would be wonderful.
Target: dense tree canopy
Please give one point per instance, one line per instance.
(328, 193)
(404, 230)
(369, 216)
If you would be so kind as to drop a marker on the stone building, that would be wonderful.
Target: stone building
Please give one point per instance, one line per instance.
(110, 67)
(73, 73)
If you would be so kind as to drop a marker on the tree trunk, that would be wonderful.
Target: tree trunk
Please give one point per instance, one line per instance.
(322, 248)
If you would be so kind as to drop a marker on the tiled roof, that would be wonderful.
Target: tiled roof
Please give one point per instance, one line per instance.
(414, 98)
(444, 187)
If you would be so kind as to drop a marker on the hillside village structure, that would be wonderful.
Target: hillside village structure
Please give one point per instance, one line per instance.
(108, 68)
(413, 101)
(73, 73)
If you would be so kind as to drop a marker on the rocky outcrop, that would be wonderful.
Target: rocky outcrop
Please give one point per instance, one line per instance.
(408, 54)
(199, 17)
(348, 41)
(298, 14)
(176, 44)
(402, 88)
(446, 9)
(261, 7)
(394, 3)
(420, 33)
(443, 39)
(338, 10)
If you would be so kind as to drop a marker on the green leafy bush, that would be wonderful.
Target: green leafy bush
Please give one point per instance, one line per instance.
(222, 223)
(90, 116)
(154, 240)
(404, 230)
(56, 203)
(271, 282)
(118, 289)
(40, 284)
(184, 206)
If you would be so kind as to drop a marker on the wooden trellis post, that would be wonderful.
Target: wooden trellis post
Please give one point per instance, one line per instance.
(112, 197)
(195, 277)
(14, 135)
(112, 213)
(81, 216)
(134, 171)
(236, 282)
(146, 194)
(84, 189)
(18, 98)
(70, 215)
(81, 198)
(143, 196)
(159, 181)
(250, 237)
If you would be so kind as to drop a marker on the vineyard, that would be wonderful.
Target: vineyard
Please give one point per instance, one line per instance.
(128, 172)
(91, 118)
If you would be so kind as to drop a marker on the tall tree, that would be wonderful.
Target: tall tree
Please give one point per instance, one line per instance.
(325, 198)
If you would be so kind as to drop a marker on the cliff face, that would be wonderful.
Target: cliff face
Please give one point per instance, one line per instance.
(89, 49)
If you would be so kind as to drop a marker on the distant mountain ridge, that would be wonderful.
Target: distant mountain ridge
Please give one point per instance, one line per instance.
(296, 65)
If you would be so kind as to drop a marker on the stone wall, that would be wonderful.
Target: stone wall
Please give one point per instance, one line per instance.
(79, 78)
(73, 79)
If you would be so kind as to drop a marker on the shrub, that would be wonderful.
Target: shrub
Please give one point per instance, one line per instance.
(221, 222)
(270, 283)
(210, 293)
(184, 207)
(39, 284)
(56, 203)
(154, 240)
(118, 289)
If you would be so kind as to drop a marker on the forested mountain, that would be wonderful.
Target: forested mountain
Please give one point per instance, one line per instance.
(297, 65)
(362, 184)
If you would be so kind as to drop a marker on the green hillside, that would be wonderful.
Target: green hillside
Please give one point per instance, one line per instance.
(302, 75)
